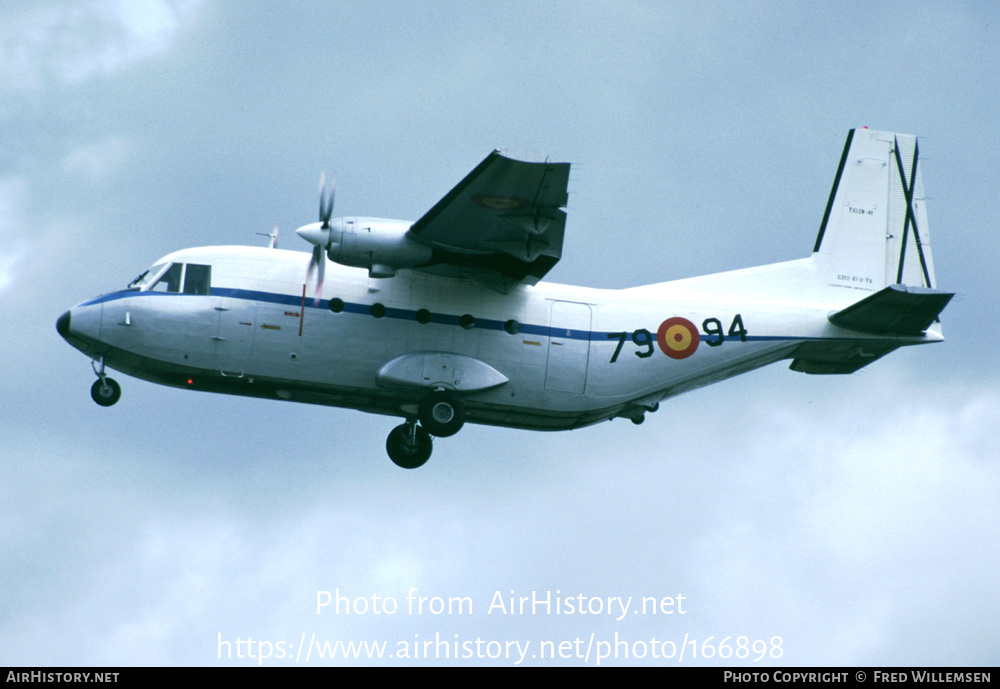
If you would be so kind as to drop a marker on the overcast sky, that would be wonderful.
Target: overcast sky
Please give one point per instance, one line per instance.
(853, 517)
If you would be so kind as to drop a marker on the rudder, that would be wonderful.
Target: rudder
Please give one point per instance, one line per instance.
(874, 230)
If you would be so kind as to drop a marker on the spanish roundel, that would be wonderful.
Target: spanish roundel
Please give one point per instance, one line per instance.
(678, 337)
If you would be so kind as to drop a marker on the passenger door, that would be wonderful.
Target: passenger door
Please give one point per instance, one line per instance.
(569, 347)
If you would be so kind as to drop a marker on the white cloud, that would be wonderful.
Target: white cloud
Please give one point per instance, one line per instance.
(96, 160)
(72, 43)
(12, 226)
(8, 262)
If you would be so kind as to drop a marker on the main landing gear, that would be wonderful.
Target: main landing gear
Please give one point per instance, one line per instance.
(105, 391)
(441, 414)
(409, 446)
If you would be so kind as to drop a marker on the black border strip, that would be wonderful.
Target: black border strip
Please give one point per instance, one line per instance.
(910, 217)
(833, 191)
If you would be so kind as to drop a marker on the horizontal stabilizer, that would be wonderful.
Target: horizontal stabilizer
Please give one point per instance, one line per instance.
(841, 358)
(894, 310)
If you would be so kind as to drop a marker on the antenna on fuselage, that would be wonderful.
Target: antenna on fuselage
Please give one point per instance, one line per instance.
(273, 234)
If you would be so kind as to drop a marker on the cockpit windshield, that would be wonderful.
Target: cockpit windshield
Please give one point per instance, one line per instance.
(168, 277)
(147, 277)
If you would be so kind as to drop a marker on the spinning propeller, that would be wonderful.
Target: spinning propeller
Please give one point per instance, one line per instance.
(319, 236)
(273, 234)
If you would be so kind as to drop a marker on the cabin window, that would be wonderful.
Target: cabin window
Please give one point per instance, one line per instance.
(197, 279)
(170, 281)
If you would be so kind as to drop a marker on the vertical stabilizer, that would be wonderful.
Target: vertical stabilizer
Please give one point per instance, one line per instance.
(874, 231)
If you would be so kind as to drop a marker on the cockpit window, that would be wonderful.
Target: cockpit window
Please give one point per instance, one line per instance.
(168, 277)
(143, 280)
(170, 281)
(197, 279)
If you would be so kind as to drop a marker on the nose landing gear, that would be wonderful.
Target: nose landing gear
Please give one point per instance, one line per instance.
(105, 391)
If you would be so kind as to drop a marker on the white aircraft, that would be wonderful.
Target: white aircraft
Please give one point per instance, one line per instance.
(444, 320)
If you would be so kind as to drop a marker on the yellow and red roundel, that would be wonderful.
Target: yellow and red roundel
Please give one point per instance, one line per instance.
(500, 203)
(678, 337)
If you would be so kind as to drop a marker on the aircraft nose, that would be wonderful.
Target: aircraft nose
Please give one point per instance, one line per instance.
(62, 325)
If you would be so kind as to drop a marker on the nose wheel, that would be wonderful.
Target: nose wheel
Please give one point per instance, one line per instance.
(105, 391)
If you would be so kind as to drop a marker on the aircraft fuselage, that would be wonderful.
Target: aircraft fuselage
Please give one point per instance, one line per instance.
(571, 356)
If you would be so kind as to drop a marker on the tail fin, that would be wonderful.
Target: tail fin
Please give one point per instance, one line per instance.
(874, 231)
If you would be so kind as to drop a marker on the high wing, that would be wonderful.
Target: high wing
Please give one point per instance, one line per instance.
(501, 225)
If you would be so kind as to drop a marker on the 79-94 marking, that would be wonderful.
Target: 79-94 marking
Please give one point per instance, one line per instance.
(678, 337)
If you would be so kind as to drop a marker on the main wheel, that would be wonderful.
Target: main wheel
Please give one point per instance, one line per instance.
(407, 452)
(106, 392)
(442, 413)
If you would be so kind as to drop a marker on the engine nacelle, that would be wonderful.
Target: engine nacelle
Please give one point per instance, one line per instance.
(382, 246)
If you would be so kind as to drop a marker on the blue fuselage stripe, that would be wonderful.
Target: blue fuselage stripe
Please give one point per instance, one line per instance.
(410, 314)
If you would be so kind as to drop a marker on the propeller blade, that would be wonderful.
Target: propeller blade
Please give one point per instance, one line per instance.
(273, 234)
(317, 263)
(320, 277)
(322, 196)
(319, 237)
(325, 208)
